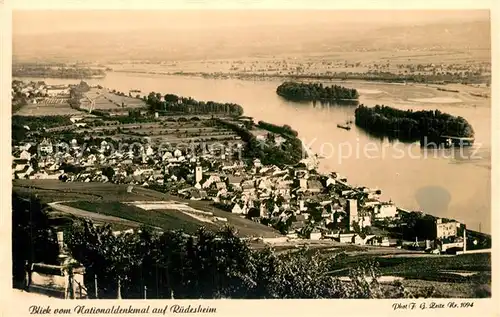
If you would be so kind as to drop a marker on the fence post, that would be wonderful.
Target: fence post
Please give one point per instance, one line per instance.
(119, 290)
(95, 286)
(71, 285)
(157, 290)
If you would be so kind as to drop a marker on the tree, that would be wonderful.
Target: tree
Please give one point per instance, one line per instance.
(280, 200)
(34, 163)
(108, 256)
(109, 172)
(253, 212)
(209, 264)
(270, 203)
(355, 227)
(32, 238)
(270, 138)
(171, 98)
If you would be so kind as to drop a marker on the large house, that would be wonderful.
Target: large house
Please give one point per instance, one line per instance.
(46, 146)
(385, 210)
(237, 209)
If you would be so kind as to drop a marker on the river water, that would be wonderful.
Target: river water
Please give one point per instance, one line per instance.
(453, 183)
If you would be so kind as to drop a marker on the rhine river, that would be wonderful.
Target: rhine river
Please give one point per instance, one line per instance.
(450, 183)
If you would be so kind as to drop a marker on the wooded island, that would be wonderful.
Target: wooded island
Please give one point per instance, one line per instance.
(409, 125)
(315, 92)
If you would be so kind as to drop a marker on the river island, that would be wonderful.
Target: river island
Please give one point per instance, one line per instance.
(427, 126)
(297, 91)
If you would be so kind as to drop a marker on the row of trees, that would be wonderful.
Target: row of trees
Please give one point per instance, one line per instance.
(283, 130)
(174, 104)
(207, 265)
(40, 122)
(21, 123)
(314, 91)
(289, 152)
(411, 125)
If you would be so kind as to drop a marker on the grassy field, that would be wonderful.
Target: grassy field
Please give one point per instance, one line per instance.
(164, 219)
(108, 199)
(48, 107)
(430, 268)
(92, 191)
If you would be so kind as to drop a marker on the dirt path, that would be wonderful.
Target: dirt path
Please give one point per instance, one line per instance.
(92, 215)
(461, 273)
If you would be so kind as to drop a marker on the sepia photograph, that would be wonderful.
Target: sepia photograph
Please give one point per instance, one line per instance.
(251, 154)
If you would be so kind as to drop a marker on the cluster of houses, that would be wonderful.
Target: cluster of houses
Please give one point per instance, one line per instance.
(33, 90)
(269, 194)
(296, 200)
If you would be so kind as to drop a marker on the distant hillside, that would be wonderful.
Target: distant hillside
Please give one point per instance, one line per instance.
(449, 36)
(240, 42)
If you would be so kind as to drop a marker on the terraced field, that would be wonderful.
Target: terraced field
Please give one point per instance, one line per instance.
(167, 132)
(112, 200)
(105, 100)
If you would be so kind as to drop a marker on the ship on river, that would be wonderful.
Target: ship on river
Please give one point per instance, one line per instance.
(448, 141)
(452, 141)
(345, 126)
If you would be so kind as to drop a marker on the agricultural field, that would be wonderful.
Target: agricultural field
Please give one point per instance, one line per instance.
(161, 132)
(128, 102)
(53, 100)
(447, 289)
(466, 275)
(433, 267)
(106, 100)
(437, 276)
(49, 106)
(114, 201)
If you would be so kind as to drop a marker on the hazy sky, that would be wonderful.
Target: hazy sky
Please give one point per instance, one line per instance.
(36, 22)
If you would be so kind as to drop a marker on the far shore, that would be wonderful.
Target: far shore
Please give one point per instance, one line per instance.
(272, 77)
(265, 77)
